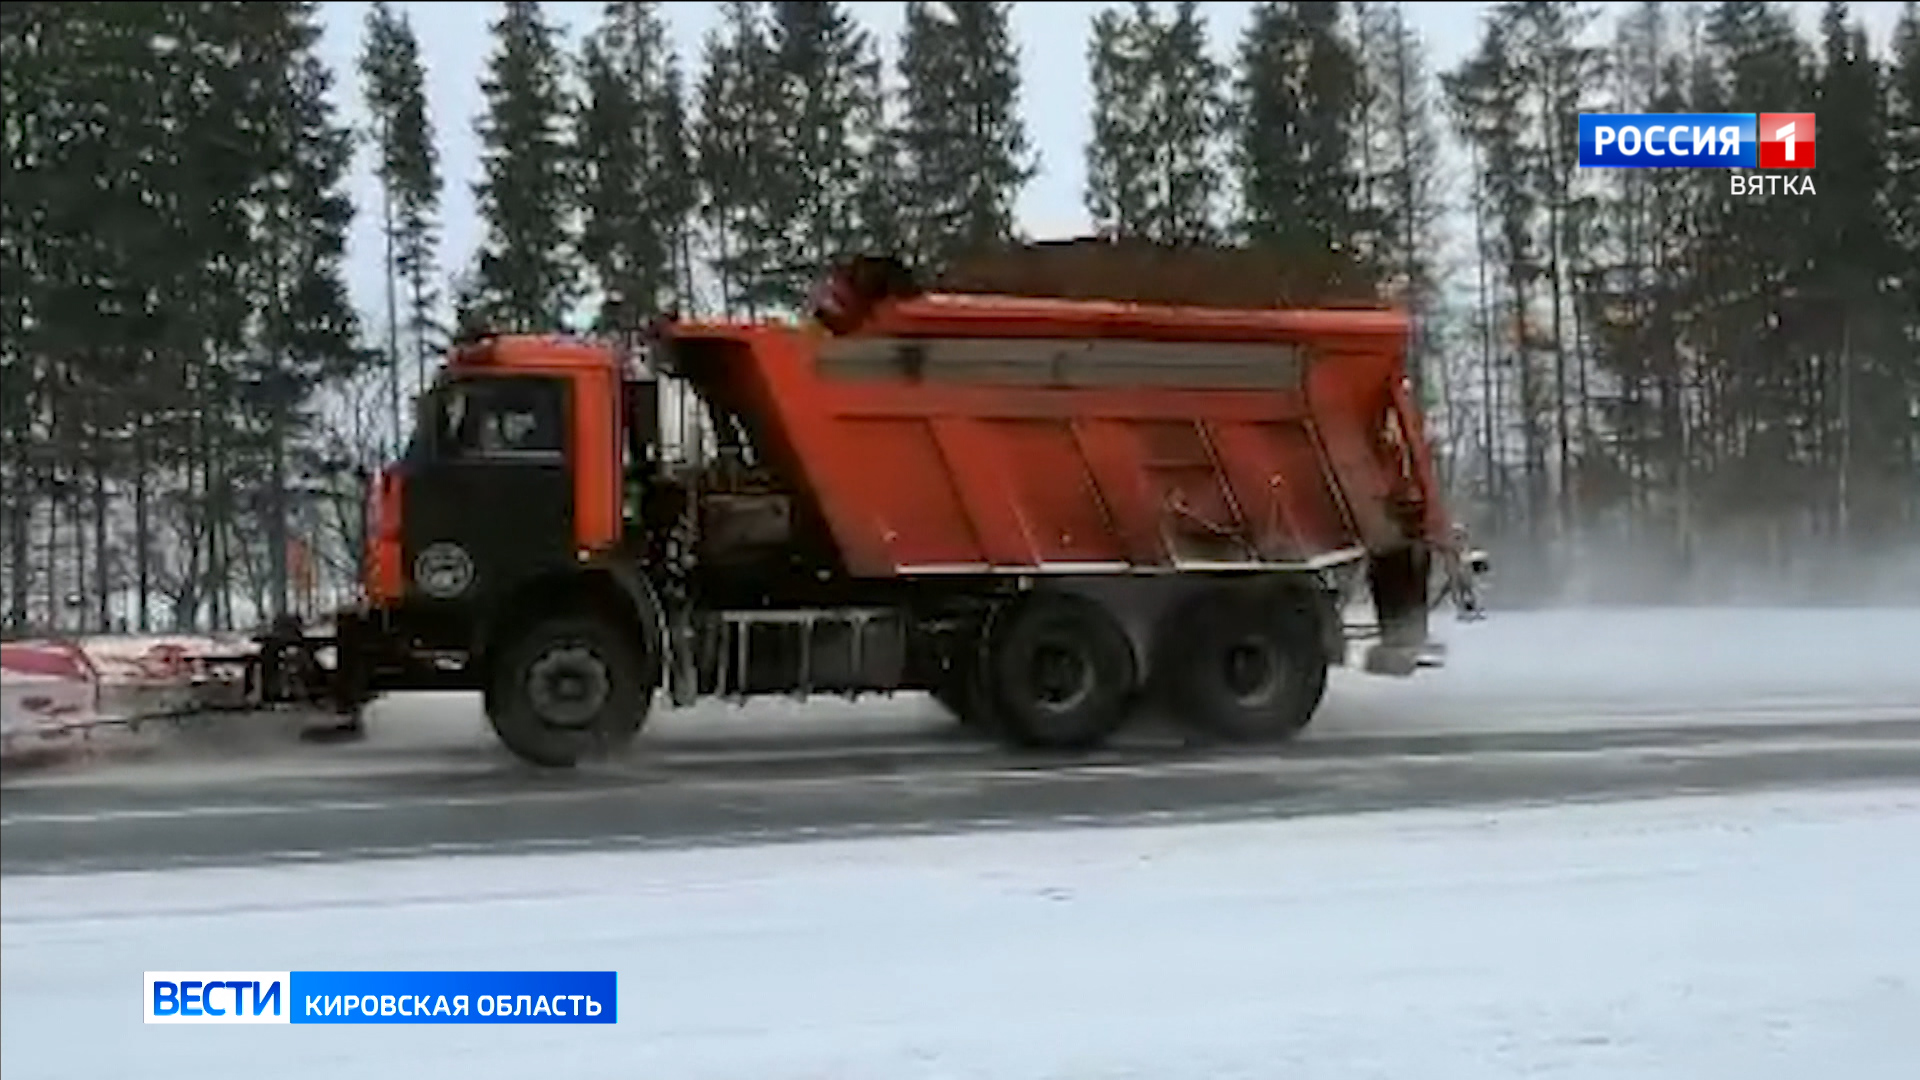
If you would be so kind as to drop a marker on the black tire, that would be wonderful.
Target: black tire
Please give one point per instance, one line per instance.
(959, 689)
(961, 697)
(951, 697)
(1045, 643)
(1245, 665)
(570, 689)
(950, 683)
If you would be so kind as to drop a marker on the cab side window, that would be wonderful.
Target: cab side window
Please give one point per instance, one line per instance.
(504, 417)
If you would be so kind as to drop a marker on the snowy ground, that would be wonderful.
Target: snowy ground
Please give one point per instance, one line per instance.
(1620, 667)
(1751, 938)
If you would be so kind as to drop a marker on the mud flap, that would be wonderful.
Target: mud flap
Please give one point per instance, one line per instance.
(1398, 581)
(356, 643)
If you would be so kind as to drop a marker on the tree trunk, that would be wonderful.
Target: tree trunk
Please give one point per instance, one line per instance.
(52, 558)
(245, 558)
(218, 504)
(393, 321)
(193, 511)
(1409, 239)
(77, 515)
(420, 344)
(142, 526)
(1556, 213)
(276, 531)
(102, 570)
(20, 504)
(1489, 401)
(1364, 128)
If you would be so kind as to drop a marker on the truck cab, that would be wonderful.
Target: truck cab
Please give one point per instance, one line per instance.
(513, 472)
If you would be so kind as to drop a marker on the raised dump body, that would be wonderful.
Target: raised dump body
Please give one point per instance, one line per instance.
(956, 434)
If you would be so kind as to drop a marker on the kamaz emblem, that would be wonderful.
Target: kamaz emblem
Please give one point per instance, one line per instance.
(443, 570)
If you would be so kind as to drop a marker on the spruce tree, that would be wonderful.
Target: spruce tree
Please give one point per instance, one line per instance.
(406, 163)
(1185, 128)
(306, 329)
(1486, 97)
(1903, 203)
(1562, 70)
(965, 146)
(1750, 268)
(738, 156)
(26, 72)
(677, 186)
(174, 200)
(1298, 108)
(1403, 194)
(884, 191)
(1641, 260)
(527, 277)
(1153, 168)
(1854, 337)
(626, 139)
(829, 120)
(1118, 157)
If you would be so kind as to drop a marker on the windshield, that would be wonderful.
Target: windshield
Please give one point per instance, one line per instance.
(490, 416)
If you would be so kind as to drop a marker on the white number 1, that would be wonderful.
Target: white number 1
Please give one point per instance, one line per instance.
(1785, 135)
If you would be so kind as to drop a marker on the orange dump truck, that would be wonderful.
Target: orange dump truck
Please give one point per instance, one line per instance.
(1044, 511)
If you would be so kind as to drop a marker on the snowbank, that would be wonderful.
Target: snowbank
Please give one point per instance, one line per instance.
(1754, 937)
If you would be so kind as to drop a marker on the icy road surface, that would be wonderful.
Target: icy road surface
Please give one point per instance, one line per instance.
(1750, 937)
(1533, 707)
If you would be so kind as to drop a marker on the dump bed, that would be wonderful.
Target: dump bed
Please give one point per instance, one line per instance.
(991, 434)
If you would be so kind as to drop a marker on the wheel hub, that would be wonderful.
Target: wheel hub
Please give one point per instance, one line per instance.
(1059, 677)
(568, 686)
(1252, 670)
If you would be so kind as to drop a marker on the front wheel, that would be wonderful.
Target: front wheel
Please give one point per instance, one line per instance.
(569, 689)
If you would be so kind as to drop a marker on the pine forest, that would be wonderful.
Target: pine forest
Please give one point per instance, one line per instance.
(1638, 385)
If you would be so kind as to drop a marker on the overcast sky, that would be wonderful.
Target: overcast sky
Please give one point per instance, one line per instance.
(1053, 45)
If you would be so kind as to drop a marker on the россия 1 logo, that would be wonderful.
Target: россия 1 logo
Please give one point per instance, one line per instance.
(1786, 140)
(1705, 141)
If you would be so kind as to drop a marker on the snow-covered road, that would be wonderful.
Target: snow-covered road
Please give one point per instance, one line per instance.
(1751, 937)
(1533, 706)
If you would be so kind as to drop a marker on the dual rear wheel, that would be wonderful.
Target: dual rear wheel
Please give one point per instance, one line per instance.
(1056, 671)
(1244, 665)
(1050, 671)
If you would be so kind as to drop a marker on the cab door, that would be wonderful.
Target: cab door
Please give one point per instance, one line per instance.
(491, 501)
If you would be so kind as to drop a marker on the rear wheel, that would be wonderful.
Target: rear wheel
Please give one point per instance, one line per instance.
(569, 689)
(1060, 673)
(1243, 664)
